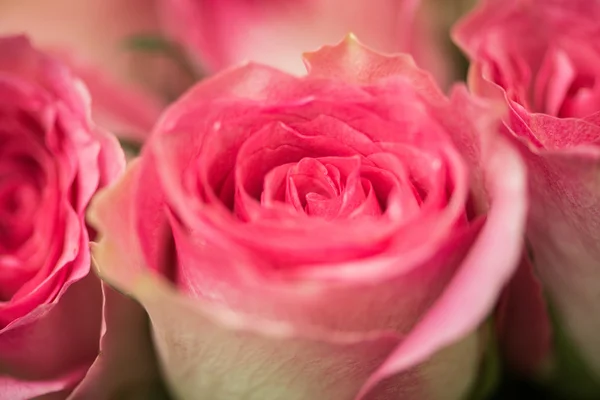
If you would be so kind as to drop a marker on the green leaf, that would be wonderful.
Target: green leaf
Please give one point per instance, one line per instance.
(160, 45)
(490, 370)
(130, 146)
(149, 43)
(571, 376)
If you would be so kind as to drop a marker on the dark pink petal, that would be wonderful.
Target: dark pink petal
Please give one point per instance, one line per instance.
(39, 348)
(522, 322)
(369, 206)
(67, 262)
(52, 389)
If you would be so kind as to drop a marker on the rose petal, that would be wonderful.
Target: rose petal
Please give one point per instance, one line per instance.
(562, 233)
(553, 82)
(484, 261)
(233, 299)
(158, 298)
(38, 348)
(287, 365)
(353, 62)
(55, 389)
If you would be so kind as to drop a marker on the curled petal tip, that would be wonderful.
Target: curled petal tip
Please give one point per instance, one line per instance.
(351, 38)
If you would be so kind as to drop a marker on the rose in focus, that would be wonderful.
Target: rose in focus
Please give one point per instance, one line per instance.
(540, 57)
(341, 235)
(52, 160)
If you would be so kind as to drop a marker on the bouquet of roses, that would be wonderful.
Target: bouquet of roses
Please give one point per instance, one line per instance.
(299, 200)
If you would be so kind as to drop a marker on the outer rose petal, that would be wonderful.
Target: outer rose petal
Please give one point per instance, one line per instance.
(56, 389)
(118, 220)
(353, 62)
(492, 259)
(33, 354)
(279, 364)
(188, 333)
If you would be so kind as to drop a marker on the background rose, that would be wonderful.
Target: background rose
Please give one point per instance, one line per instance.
(225, 33)
(55, 314)
(541, 57)
(92, 35)
(52, 160)
(316, 221)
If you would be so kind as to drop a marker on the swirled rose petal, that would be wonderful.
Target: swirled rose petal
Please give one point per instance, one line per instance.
(52, 161)
(250, 295)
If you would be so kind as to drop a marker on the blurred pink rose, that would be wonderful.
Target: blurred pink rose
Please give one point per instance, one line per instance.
(542, 57)
(222, 33)
(91, 36)
(306, 238)
(52, 160)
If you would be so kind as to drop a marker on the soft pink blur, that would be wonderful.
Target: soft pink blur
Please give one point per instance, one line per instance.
(226, 32)
(91, 35)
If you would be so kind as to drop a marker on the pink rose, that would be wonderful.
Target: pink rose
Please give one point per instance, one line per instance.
(91, 36)
(541, 58)
(222, 33)
(309, 237)
(52, 160)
